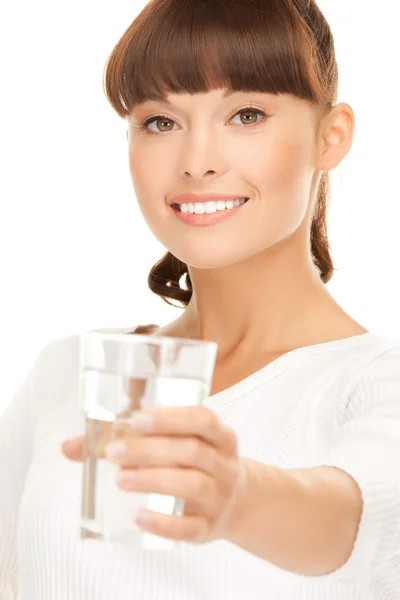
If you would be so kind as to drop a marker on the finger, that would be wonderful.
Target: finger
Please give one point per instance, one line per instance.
(73, 449)
(189, 528)
(181, 483)
(169, 451)
(97, 435)
(180, 421)
(188, 421)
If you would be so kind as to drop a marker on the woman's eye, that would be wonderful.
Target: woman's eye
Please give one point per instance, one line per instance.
(163, 124)
(162, 121)
(253, 113)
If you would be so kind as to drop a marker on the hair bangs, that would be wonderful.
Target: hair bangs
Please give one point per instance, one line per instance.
(192, 46)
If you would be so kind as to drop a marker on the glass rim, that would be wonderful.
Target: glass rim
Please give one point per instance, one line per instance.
(134, 338)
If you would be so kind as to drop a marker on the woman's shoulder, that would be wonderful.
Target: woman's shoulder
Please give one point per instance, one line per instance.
(57, 366)
(59, 347)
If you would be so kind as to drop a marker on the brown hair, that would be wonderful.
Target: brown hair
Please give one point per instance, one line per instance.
(267, 46)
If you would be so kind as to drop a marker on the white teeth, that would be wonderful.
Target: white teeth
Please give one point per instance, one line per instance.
(200, 208)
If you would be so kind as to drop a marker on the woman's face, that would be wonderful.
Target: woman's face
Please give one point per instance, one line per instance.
(202, 144)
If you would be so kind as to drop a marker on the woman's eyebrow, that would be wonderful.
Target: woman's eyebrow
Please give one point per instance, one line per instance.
(228, 92)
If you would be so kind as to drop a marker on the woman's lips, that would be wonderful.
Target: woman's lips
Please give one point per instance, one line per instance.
(207, 218)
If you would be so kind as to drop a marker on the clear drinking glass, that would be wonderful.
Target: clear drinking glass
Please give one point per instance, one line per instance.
(120, 374)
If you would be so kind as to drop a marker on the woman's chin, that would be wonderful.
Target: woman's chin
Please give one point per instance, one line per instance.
(208, 260)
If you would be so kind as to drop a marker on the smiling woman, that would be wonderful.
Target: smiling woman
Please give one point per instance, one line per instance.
(291, 469)
(178, 46)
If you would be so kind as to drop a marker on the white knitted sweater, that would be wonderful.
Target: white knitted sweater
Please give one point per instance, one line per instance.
(336, 403)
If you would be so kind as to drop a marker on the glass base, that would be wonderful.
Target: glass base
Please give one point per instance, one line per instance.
(141, 540)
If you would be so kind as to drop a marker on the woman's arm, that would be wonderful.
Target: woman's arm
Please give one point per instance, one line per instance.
(341, 518)
(301, 520)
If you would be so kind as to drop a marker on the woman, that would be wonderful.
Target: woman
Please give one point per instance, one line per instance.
(291, 472)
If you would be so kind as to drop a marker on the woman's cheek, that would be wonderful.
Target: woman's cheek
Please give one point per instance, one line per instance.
(286, 168)
(140, 167)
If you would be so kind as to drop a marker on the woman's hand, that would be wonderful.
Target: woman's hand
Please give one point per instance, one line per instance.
(186, 452)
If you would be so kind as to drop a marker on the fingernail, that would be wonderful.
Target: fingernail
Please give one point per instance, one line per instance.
(115, 450)
(73, 442)
(143, 517)
(141, 422)
(126, 478)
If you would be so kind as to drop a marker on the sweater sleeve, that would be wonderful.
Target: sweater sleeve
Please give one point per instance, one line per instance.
(367, 447)
(15, 457)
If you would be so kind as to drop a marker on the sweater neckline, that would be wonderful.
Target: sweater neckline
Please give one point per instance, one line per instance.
(283, 362)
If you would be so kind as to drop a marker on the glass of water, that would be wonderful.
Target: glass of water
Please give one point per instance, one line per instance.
(120, 374)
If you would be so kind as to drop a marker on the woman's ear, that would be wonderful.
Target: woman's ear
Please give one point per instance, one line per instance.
(335, 136)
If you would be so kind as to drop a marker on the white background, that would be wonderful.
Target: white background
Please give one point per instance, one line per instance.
(75, 250)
